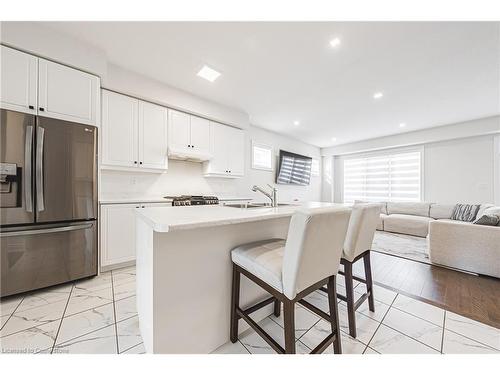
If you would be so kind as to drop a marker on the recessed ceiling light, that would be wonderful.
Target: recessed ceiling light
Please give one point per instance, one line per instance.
(208, 73)
(335, 42)
(402, 125)
(378, 95)
(334, 139)
(296, 123)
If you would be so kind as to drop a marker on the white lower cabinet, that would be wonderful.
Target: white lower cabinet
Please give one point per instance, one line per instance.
(118, 223)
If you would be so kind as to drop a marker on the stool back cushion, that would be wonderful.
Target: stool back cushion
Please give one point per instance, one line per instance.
(362, 225)
(313, 247)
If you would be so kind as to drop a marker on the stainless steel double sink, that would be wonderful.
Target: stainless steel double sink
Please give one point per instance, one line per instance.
(254, 205)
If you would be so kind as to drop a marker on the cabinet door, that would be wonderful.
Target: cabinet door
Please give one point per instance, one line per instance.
(236, 151)
(18, 86)
(200, 136)
(178, 132)
(117, 233)
(218, 164)
(149, 205)
(66, 93)
(152, 136)
(119, 130)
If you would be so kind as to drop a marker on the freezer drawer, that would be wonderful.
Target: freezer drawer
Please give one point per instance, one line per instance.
(40, 256)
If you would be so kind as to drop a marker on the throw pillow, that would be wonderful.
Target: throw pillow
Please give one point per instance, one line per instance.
(465, 212)
(490, 220)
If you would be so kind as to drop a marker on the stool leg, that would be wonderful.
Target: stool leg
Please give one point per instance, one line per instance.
(289, 321)
(277, 307)
(334, 314)
(235, 302)
(369, 280)
(350, 298)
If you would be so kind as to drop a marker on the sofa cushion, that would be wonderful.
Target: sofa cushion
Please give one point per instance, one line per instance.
(465, 212)
(407, 224)
(492, 210)
(380, 225)
(408, 208)
(441, 211)
(383, 205)
(484, 207)
(491, 220)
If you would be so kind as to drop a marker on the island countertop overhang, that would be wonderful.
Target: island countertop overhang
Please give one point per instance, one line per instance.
(168, 219)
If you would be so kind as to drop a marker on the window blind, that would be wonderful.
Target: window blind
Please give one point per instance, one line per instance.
(391, 177)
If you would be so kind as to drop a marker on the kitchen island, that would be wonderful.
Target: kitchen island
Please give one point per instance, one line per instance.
(184, 271)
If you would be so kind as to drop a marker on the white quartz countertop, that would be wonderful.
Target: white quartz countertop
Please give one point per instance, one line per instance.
(127, 199)
(168, 219)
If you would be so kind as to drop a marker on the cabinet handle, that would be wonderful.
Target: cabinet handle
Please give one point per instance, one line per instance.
(31, 107)
(143, 206)
(42, 109)
(140, 162)
(137, 207)
(135, 162)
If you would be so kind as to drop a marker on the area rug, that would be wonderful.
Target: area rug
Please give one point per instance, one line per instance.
(401, 245)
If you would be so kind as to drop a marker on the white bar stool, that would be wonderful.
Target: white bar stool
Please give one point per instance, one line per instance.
(358, 242)
(290, 270)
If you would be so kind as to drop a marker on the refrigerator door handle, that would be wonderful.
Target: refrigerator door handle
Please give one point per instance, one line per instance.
(28, 189)
(68, 228)
(40, 136)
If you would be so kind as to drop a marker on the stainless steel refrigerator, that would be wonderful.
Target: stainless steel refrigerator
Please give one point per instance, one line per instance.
(48, 202)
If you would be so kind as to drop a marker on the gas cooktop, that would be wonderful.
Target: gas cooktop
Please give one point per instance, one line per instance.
(193, 200)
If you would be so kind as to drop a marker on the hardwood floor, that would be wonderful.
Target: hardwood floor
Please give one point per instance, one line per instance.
(476, 297)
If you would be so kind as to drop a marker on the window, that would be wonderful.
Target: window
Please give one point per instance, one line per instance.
(262, 156)
(315, 167)
(390, 177)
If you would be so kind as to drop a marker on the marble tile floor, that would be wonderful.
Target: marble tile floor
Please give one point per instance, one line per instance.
(99, 316)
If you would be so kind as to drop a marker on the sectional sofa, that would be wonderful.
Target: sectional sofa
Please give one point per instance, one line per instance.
(463, 245)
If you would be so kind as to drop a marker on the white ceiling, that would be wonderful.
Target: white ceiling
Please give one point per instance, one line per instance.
(430, 73)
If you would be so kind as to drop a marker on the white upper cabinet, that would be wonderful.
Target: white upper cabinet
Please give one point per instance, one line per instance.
(200, 136)
(189, 137)
(152, 136)
(67, 94)
(179, 132)
(33, 85)
(227, 145)
(119, 130)
(236, 151)
(134, 133)
(19, 80)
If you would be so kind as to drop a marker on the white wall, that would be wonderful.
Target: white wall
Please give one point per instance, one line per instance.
(461, 161)
(459, 170)
(488, 125)
(187, 177)
(47, 43)
(182, 177)
(497, 169)
(44, 42)
(127, 82)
